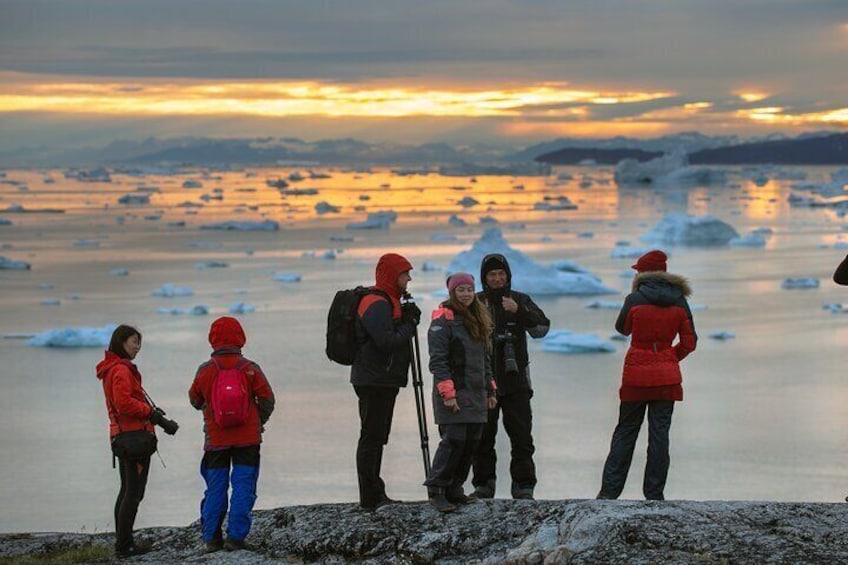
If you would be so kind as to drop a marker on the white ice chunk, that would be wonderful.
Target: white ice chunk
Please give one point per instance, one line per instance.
(241, 308)
(73, 337)
(800, 282)
(566, 341)
(169, 291)
(375, 221)
(671, 168)
(288, 277)
(527, 275)
(13, 265)
(682, 229)
(235, 225)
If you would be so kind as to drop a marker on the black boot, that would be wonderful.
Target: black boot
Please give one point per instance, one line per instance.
(456, 495)
(436, 498)
(485, 491)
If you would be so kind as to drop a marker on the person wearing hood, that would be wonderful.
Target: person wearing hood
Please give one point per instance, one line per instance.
(654, 314)
(231, 440)
(514, 315)
(384, 329)
(130, 410)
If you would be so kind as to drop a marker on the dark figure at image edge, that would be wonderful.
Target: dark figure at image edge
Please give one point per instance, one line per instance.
(514, 315)
(840, 277)
(231, 449)
(654, 314)
(130, 411)
(384, 329)
(459, 342)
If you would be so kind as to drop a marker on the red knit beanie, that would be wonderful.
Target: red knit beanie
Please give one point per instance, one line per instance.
(651, 261)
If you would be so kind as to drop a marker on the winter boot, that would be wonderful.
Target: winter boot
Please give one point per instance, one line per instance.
(436, 498)
(485, 491)
(522, 493)
(456, 495)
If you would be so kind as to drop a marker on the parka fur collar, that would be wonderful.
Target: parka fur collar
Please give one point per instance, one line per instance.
(671, 278)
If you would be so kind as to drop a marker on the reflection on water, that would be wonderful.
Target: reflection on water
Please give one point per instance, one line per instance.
(761, 419)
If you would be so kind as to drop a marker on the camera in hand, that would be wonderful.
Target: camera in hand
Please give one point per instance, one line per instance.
(507, 339)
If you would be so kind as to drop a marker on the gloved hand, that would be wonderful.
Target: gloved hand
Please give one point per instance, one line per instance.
(410, 312)
(157, 418)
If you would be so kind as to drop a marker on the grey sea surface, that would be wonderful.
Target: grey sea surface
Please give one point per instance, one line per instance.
(763, 416)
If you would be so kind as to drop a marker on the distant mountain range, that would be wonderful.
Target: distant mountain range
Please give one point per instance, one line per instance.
(820, 148)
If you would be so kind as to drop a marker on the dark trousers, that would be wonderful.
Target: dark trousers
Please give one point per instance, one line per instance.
(215, 470)
(133, 482)
(518, 423)
(376, 408)
(630, 417)
(452, 460)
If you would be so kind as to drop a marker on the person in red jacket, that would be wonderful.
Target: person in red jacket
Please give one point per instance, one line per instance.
(129, 410)
(654, 314)
(227, 443)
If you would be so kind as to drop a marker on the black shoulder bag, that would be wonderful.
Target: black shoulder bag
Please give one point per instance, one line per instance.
(134, 444)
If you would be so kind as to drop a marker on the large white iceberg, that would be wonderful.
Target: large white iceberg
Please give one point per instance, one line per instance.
(566, 341)
(73, 337)
(671, 168)
(682, 229)
(234, 225)
(527, 275)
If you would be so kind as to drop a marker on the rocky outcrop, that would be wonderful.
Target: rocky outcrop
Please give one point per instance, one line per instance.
(506, 531)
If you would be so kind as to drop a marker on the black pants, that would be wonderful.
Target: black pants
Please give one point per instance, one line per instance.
(630, 417)
(452, 460)
(133, 482)
(376, 408)
(518, 423)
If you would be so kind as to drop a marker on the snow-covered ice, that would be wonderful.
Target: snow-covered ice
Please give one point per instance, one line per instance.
(566, 341)
(73, 337)
(682, 229)
(671, 168)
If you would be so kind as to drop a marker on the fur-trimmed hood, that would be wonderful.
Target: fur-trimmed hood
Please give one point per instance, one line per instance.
(662, 288)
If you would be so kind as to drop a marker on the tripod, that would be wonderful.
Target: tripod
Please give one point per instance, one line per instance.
(418, 386)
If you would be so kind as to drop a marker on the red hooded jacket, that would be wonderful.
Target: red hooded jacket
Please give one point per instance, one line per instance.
(227, 338)
(126, 404)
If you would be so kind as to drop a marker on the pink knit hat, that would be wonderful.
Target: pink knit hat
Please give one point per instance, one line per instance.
(457, 279)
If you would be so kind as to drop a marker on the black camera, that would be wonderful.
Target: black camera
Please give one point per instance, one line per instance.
(507, 339)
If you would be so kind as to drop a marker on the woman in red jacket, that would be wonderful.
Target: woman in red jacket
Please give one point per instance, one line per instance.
(654, 314)
(129, 410)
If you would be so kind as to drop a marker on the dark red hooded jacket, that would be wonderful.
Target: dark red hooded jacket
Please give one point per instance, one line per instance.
(126, 404)
(227, 338)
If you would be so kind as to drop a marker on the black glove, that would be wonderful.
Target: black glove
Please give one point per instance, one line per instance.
(157, 418)
(410, 313)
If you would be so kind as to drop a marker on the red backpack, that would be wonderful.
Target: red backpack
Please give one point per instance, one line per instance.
(230, 395)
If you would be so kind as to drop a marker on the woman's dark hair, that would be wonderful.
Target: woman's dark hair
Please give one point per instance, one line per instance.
(121, 334)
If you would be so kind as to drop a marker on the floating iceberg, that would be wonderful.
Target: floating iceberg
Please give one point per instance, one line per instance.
(563, 203)
(234, 225)
(241, 308)
(751, 239)
(5, 222)
(566, 341)
(527, 275)
(134, 199)
(170, 291)
(73, 337)
(192, 184)
(51, 302)
(13, 265)
(456, 221)
(341, 238)
(288, 277)
(326, 208)
(119, 272)
(375, 221)
(801, 282)
(682, 229)
(211, 265)
(721, 335)
(468, 202)
(199, 310)
(671, 168)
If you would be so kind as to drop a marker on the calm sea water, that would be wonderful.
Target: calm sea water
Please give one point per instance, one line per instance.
(763, 414)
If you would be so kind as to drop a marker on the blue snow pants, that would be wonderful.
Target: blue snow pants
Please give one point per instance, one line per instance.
(215, 470)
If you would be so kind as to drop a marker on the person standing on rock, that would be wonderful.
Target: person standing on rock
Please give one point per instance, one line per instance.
(237, 401)
(384, 329)
(654, 314)
(514, 315)
(132, 416)
(463, 388)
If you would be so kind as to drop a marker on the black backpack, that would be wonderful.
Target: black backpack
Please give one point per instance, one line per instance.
(341, 323)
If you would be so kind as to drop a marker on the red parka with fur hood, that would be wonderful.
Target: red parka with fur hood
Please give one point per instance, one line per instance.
(654, 314)
(125, 401)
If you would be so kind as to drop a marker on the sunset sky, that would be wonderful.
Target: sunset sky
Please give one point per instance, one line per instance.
(89, 71)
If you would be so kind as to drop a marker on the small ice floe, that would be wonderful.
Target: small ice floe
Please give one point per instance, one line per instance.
(603, 305)
(74, 297)
(86, 243)
(119, 272)
(546, 239)
(153, 217)
(487, 220)
(241, 308)
(329, 255)
(169, 291)
(299, 191)
(456, 221)
(188, 204)
(528, 275)
(296, 176)
(763, 231)
(840, 245)
(73, 337)
(375, 221)
(800, 282)
(563, 203)
(94, 175)
(670, 169)
(682, 229)
(749, 240)
(428, 266)
(468, 202)
(246, 225)
(9, 264)
(834, 308)
(199, 310)
(51, 302)
(46, 286)
(308, 255)
(208, 197)
(326, 208)
(516, 226)
(364, 197)
(586, 235)
(568, 266)
(192, 184)
(721, 335)
(566, 341)
(177, 224)
(319, 175)
(204, 244)
(342, 238)
(5, 222)
(442, 237)
(134, 199)
(288, 277)
(211, 265)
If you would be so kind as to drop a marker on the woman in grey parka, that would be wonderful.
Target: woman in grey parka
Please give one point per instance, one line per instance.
(463, 389)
